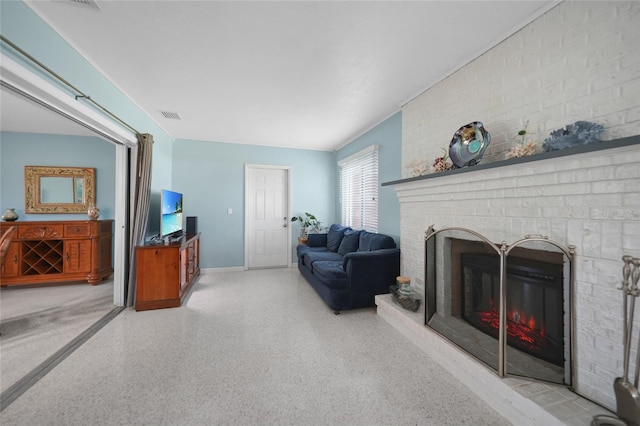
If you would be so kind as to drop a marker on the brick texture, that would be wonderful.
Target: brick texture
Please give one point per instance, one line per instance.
(579, 61)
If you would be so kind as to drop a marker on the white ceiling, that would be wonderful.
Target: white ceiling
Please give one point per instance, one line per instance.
(307, 74)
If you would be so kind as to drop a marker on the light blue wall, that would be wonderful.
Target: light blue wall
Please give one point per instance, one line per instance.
(24, 28)
(388, 135)
(210, 174)
(211, 177)
(20, 149)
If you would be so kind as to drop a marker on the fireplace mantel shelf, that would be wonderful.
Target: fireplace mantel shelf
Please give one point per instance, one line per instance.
(599, 146)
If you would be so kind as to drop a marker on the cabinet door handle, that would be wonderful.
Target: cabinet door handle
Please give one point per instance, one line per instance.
(15, 259)
(67, 256)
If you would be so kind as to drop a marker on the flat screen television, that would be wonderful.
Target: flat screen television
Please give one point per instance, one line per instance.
(171, 214)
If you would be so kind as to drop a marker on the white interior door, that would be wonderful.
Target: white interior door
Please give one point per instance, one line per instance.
(267, 230)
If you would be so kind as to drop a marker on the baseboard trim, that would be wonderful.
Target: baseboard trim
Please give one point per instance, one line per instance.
(228, 269)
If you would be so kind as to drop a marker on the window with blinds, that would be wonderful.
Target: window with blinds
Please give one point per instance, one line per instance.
(359, 189)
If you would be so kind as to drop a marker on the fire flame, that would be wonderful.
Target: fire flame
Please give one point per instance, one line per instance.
(519, 326)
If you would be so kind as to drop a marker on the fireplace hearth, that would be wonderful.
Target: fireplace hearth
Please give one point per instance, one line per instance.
(508, 306)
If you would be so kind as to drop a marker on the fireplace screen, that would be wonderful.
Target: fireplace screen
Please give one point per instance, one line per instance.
(467, 292)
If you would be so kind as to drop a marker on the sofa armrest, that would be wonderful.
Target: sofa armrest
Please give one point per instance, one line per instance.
(317, 240)
(372, 271)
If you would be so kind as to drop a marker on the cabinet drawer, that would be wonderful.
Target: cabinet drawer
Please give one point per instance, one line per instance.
(77, 230)
(40, 232)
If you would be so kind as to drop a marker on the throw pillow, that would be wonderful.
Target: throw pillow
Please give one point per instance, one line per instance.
(370, 242)
(334, 236)
(349, 242)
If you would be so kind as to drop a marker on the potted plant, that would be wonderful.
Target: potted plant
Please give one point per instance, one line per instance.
(309, 224)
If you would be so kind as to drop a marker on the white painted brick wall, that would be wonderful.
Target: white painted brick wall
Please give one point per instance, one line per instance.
(580, 61)
(602, 226)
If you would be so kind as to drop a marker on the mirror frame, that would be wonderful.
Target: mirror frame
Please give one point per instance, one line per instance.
(32, 175)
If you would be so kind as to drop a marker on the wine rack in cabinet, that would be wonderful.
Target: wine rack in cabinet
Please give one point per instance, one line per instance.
(43, 257)
(58, 251)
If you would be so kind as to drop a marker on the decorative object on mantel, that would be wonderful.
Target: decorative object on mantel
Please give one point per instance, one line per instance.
(404, 295)
(418, 167)
(93, 212)
(468, 144)
(523, 149)
(442, 164)
(578, 133)
(10, 215)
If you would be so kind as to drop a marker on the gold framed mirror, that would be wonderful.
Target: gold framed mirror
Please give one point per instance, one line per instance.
(58, 189)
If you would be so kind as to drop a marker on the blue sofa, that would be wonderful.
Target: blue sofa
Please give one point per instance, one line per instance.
(348, 267)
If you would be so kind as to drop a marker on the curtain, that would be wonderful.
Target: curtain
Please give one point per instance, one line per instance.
(140, 208)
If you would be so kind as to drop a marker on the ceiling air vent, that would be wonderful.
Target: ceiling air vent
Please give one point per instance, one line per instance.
(171, 115)
(84, 3)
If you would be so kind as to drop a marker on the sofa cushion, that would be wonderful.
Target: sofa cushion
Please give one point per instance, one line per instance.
(349, 242)
(314, 256)
(317, 240)
(334, 236)
(331, 274)
(370, 241)
(302, 249)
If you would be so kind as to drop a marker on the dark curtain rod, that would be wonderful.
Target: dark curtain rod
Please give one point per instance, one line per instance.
(66, 83)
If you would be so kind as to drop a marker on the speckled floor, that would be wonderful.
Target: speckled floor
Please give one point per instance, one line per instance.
(254, 347)
(36, 321)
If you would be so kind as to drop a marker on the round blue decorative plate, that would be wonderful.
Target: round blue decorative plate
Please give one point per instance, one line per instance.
(468, 144)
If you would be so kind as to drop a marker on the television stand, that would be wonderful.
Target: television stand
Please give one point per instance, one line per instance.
(166, 272)
(173, 239)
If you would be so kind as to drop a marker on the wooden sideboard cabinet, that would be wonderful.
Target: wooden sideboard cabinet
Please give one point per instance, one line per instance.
(58, 251)
(166, 272)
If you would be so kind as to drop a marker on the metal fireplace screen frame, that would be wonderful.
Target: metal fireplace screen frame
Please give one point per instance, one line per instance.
(502, 250)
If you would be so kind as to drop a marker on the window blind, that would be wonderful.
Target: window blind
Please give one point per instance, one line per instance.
(359, 189)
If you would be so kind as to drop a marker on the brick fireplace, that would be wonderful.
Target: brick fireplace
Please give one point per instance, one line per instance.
(589, 200)
(575, 62)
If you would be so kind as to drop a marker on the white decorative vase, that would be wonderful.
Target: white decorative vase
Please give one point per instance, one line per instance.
(93, 212)
(10, 215)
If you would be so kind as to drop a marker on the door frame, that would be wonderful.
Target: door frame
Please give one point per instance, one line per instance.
(289, 180)
(16, 77)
